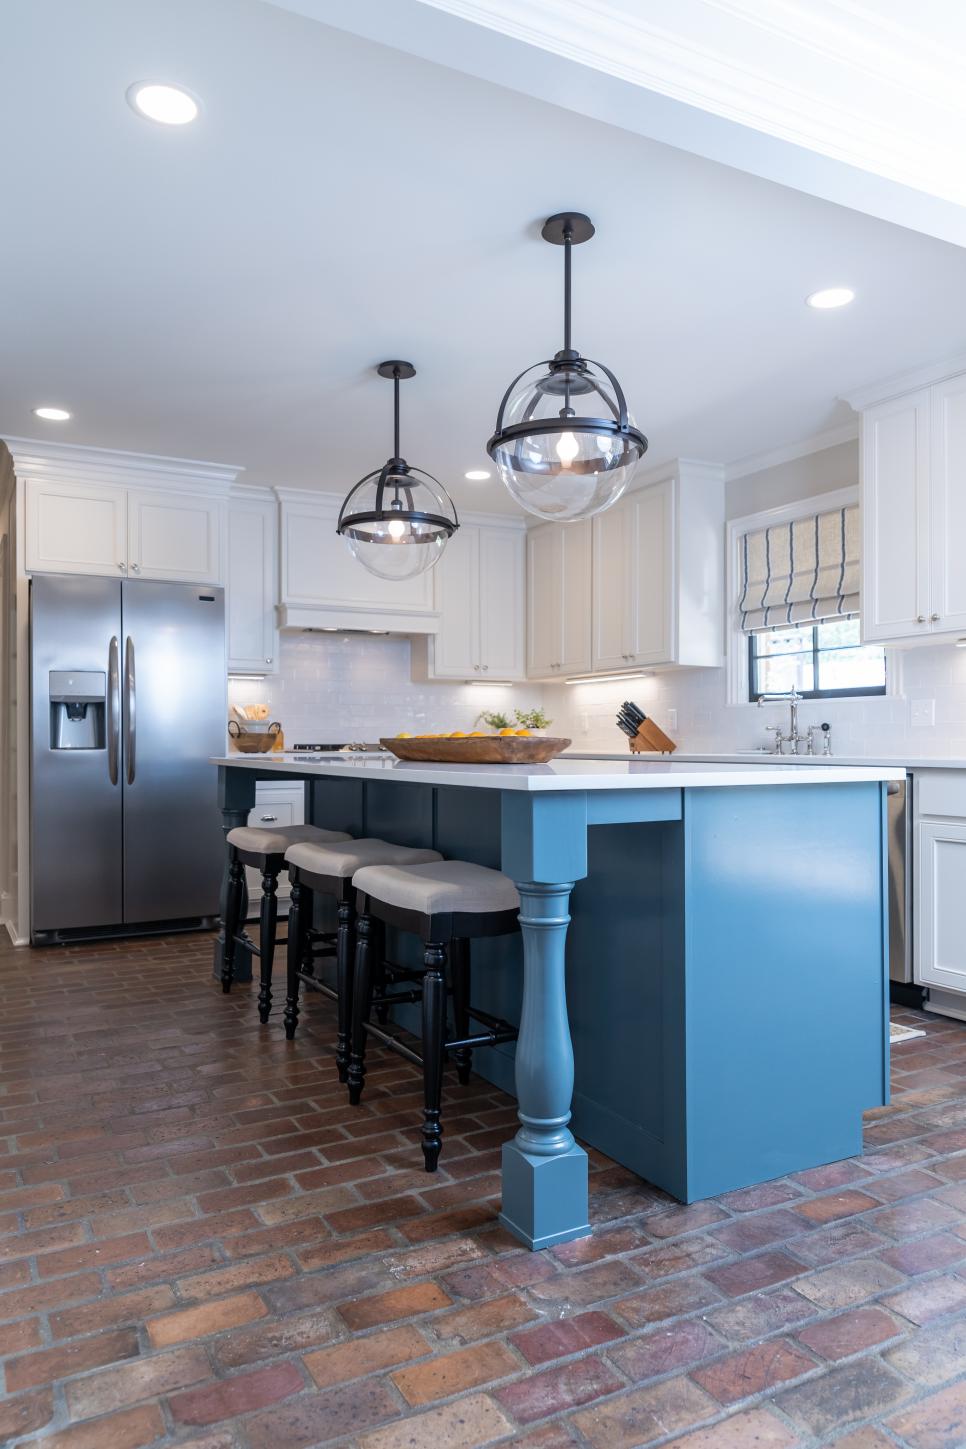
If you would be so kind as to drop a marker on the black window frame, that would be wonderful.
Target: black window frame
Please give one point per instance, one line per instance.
(754, 693)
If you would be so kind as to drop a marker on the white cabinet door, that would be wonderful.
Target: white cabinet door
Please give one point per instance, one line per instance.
(947, 501)
(75, 529)
(175, 536)
(319, 571)
(649, 523)
(252, 586)
(559, 599)
(501, 602)
(895, 519)
(543, 594)
(575, 544)
(612, 595)
(456, 647)
(940, 905)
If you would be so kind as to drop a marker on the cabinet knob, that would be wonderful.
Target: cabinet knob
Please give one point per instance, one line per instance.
(122, 566)
(920, 618)
(934, 618)
(268, 819)
(486, 666)
(135, 568)
(268, 658)
(477, 668)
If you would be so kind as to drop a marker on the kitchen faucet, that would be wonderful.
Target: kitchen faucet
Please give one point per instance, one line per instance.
(793, 738)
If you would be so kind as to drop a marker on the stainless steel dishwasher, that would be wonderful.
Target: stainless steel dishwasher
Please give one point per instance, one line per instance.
(900, 879)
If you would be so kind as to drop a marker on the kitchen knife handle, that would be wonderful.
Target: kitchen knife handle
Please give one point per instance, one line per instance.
(130, 744)
(113, 709)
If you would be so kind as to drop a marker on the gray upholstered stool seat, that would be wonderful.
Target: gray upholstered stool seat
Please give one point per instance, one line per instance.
(255, 840)
(327, 869)
(446, 903)
(450, 886)
(341, 861)
(264, 850)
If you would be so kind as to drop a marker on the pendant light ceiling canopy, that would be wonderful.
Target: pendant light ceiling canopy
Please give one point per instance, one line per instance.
(397, 520)
(564, 443)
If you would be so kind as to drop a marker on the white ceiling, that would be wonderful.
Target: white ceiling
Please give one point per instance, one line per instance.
(221, 291)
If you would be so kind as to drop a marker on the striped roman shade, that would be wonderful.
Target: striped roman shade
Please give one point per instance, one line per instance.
(797, 572)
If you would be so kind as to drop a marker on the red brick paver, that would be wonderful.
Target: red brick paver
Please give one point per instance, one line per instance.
(202, 1245)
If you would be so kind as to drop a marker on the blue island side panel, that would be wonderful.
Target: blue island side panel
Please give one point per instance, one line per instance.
(785, 964)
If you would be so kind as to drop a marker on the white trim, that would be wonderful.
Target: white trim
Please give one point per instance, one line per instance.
(736, 650)
(817, 443)
(34, 458)
(517, 521)
(903, 382)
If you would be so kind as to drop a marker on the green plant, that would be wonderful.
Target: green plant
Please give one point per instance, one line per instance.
(532, 719)
(495, 721)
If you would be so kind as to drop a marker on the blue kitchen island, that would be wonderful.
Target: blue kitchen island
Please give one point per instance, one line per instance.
(700, 980)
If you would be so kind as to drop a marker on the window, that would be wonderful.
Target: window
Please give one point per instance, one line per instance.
(820, 661)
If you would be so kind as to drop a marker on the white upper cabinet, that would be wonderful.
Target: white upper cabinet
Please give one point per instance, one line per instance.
(657, 573)
(92, 511)
(252, 583)
(75, 528)
(479, 591)
(175, 536)
(320, 576)
(559, 570)
(914, 514)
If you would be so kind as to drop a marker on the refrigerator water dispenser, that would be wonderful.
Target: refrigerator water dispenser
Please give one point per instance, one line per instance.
(77, 703)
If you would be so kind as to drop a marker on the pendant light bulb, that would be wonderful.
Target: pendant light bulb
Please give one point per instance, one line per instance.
(571, 461)
(567, 448)
(396, 528)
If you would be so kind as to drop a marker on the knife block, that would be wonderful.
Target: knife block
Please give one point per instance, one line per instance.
(650, 737)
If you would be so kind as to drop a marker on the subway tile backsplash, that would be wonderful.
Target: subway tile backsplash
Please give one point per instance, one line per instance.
(358, 687)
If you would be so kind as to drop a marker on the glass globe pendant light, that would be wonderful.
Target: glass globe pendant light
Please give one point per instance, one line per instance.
(396, 520)
(564, 443)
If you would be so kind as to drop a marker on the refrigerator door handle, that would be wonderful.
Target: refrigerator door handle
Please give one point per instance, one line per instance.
(130, 744)
(113, 708)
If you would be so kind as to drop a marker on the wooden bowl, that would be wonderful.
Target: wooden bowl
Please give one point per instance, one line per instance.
(483, 750)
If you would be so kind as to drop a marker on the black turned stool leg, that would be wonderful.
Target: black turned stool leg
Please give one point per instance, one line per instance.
(460, 973)
(294, 954)
(434, 1034)
(306, 922)
(361, 1003)
(344, 972)
(268, 926)
(233, 908)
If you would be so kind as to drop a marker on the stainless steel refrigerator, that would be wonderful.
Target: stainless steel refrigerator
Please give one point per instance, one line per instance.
(127, 704)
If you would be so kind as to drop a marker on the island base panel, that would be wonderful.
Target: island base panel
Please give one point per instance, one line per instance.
(545, 1198)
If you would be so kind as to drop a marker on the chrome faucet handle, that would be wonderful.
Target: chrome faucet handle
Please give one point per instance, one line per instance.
(779, 734)
(826, 730)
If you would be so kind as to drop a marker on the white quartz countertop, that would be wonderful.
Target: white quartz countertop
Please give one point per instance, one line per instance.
(764, 757)
(619, 773)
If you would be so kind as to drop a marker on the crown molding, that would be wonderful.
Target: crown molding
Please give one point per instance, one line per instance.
(37, 458)
(876, 392)
(774, 457)
(252, 493)
(878, 95)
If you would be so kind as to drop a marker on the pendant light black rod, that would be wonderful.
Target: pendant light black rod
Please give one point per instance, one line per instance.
(395, 411)
(568, 237)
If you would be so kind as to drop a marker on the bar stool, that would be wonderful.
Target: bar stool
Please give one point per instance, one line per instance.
(446, 905)
(265, 851)
(328, 869)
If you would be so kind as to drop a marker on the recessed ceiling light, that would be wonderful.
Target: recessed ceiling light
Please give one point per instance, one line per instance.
(830, 297)
(52, 415)
(170, 105)
(477, 475)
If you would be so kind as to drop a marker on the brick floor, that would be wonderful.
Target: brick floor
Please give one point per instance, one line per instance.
(201, 1245)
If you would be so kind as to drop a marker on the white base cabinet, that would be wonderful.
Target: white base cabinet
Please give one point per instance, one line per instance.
(939, 893)
(479, 586)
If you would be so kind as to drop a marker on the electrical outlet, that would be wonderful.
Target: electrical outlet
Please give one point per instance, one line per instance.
(922, 712)
(672, 719)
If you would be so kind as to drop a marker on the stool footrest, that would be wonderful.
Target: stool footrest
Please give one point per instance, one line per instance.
(389, 1040)
(485, 1038)
(398, 998)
